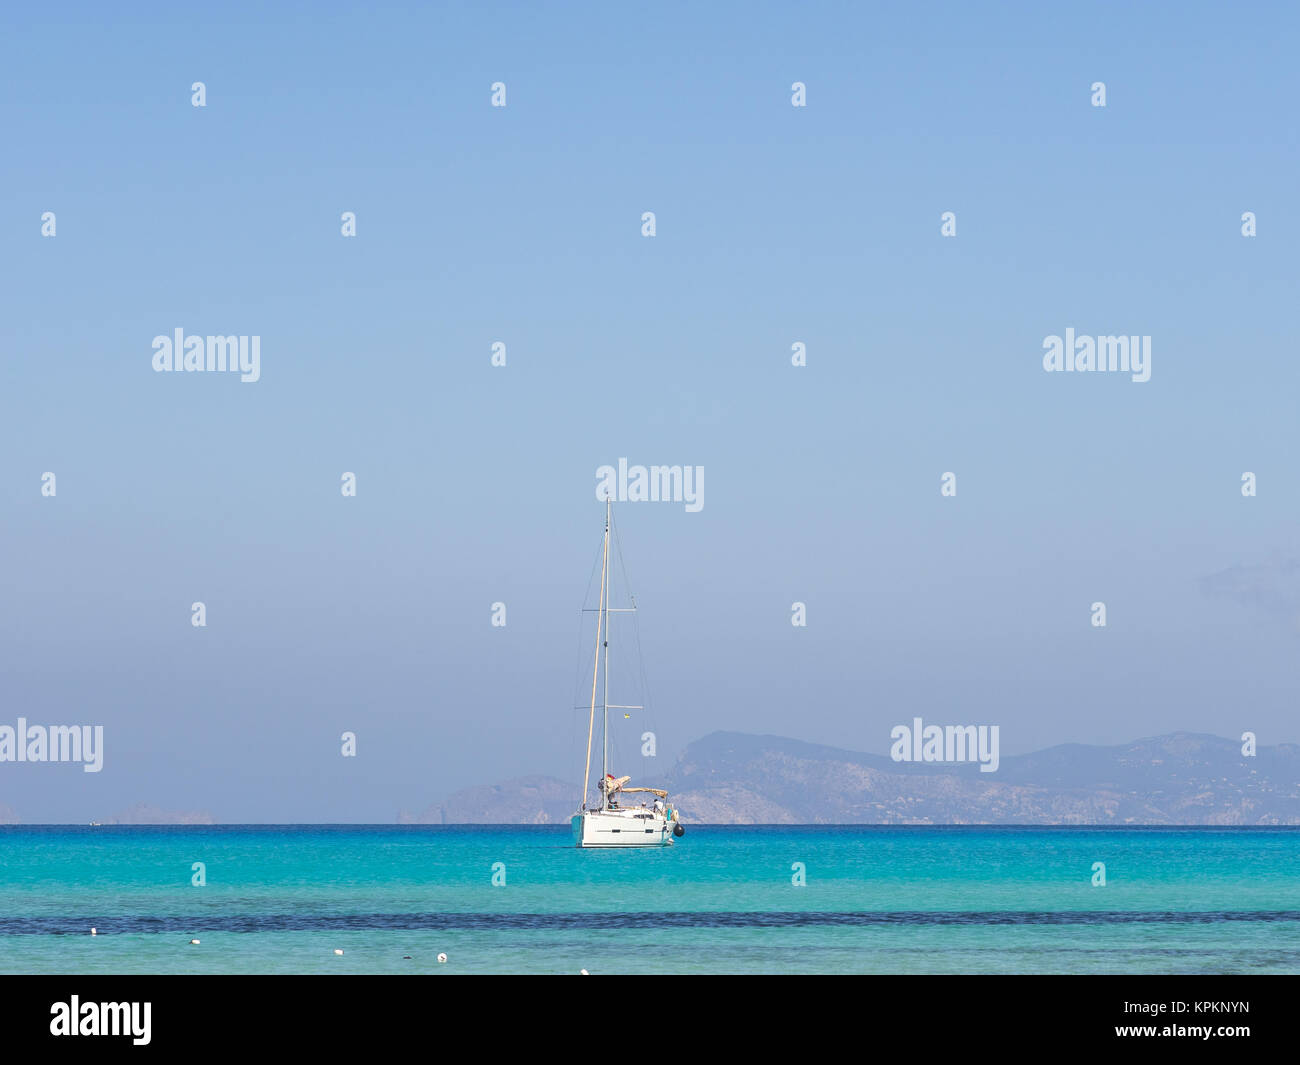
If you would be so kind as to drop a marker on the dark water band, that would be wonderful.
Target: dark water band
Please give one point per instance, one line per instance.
(299, 922)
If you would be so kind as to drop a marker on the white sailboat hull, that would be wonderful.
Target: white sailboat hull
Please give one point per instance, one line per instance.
(633, 827)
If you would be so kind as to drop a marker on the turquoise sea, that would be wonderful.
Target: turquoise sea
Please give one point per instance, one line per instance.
(282, 899)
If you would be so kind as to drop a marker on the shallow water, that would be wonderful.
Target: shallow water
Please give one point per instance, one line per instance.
(876, 899)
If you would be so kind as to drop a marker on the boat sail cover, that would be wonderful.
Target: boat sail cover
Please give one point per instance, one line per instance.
(612, 785)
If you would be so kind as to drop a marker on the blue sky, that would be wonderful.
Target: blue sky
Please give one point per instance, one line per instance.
(522, 224)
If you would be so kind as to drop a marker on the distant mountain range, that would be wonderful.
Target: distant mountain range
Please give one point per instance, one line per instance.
(522, 801)
(734, 778)
(143, 813)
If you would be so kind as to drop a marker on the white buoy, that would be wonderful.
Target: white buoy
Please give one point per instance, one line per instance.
(442, 958)
(94, 931)
(583, 972)
(194, 942)
(337, 951)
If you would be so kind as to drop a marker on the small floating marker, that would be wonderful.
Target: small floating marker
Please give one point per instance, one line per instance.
(194, 942)
(442, 958)
(583, 972)
(337, 951)
(94, 931)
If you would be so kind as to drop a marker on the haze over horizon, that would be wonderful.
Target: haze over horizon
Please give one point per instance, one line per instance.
(776, 225)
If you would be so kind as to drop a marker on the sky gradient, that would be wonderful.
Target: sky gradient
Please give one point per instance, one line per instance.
(522, 224)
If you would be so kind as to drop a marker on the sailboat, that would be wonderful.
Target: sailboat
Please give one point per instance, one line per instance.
(612, 818)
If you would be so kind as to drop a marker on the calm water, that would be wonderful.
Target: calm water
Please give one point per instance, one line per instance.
(877, 899)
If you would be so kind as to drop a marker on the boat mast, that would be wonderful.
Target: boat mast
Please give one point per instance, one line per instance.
(604, 700)
(595, 665)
